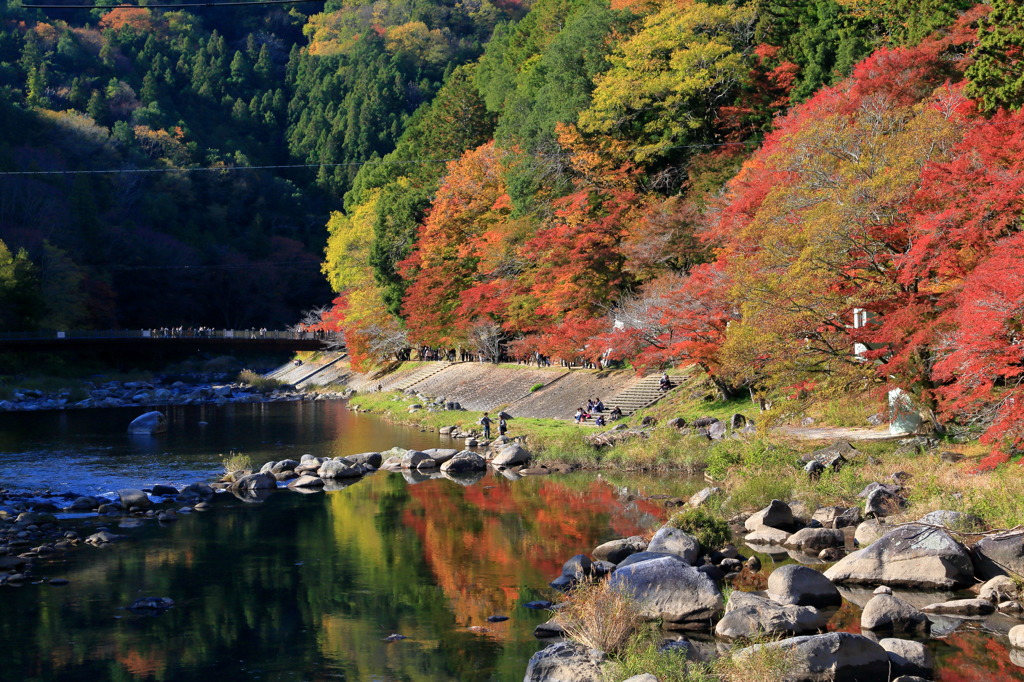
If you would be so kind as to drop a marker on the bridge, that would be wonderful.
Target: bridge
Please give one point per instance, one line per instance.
(177, 339)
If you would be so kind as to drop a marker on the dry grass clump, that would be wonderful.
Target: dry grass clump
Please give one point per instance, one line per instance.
(600, 617)
(758, 663)
(236, 461)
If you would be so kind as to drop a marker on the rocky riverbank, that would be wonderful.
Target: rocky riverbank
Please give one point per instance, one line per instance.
(152, 394)
(912, 581)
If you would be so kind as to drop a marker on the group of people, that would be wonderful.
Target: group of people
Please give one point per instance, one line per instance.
(595, 409)
(486, 421)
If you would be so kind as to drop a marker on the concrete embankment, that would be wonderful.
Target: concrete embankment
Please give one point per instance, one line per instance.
(548, 392)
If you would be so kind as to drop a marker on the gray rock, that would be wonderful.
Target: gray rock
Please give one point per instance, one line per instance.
(255, 482)
(412, 459)
(702, 497)
(103, 537)
(802, 586)
(647, 556)
(882, 502)
(565, 662)
(283, 465)
(134, 499)
(441, 455)
(148, 424)
(674, 541)
(872, 487)
(165, 490)
(908, 658)
(617, 550)
(953, 520)
(392, 463)
(1000, 554)
(372, 459)
(815, 539)
(1017, 636)
(306, 481)
(511, 455)
(916, 557)
(668, 589)
(549, 628)
(869, 531)
(196, 491)
(766, 536)
(838, 656)
(337, 468)
(890, 613)
(775, 515)
(997, 590)
(836, 517)
(748, 615)
(463, 462)
(962, 607)
(839, 448)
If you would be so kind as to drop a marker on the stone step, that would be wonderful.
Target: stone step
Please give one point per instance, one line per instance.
(643, 393)
(419, 375)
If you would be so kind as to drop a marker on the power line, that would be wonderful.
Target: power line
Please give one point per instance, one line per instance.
(351, 164)
(186, 5)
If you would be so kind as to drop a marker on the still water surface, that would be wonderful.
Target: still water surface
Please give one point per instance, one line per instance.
(306, 587)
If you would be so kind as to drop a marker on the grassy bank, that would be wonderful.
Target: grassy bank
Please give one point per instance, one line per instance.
(755, 470)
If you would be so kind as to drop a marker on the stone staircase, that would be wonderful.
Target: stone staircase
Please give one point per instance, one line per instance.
(425, 372)
(639, 395)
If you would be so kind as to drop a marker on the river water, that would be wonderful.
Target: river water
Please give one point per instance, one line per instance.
(307, 587)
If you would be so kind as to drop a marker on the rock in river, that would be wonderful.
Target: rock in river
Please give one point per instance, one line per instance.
(148, 424)
(667, 588)
(911, 556)
(839, 656)
(674, 541)
(802, 586)
(748, 615)
(565, 662)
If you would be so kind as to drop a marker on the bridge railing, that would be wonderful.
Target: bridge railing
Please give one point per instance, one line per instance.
(174, 333)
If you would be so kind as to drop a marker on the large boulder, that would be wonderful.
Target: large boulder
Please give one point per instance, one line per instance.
(869, 531)
(134, 499)
(1001, 554)
(776, 515)
(907, 657)
(802, 586)
(148, 424)
(464, 462)
(196, 491)
(836, 517)
(648, 556)
(890, 613)
(511, 455)
(997, 590)
(413, 458)
(832, 657)
(441, 455)
(263, 481)
(372, 459)
(815, 539)
(573, 571)
(748, 615)
(565, 662)
(668, 589)
(767, 536)
(674, 541)
(915, 557)
(617, 550)
(339, 468)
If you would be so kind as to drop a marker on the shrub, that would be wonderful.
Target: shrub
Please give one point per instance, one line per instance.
(600, 617)
(536, 387)
(236, 461)
(258, 381)
(709, 531)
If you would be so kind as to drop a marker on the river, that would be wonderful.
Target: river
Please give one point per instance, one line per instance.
(307, 587)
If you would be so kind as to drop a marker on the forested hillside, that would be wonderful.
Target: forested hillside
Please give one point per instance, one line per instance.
(802, 198)
(143, 150)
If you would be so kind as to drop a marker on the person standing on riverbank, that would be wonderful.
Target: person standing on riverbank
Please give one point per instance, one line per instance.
(486, 422)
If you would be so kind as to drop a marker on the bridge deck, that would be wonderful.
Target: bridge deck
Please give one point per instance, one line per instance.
(168, 339)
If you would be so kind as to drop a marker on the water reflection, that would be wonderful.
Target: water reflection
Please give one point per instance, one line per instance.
(307, 587)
